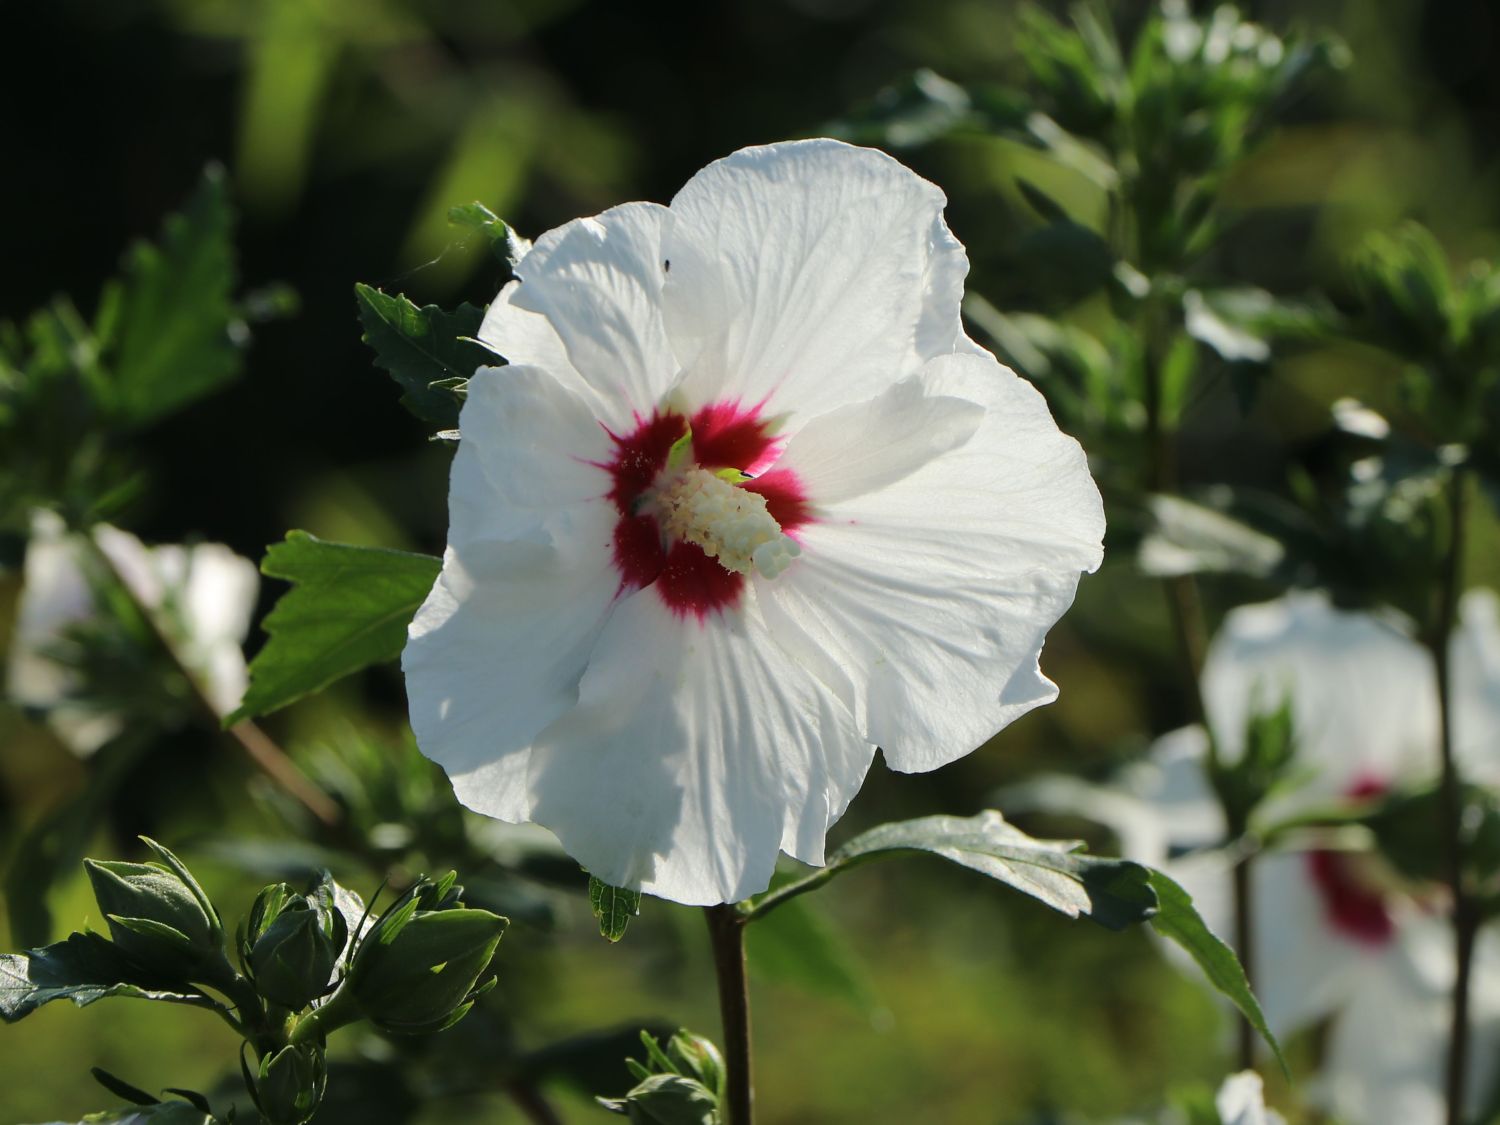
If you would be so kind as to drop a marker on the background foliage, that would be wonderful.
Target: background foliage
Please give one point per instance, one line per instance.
(348, 128)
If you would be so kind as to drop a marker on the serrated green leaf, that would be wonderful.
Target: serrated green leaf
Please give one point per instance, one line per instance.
(1112, 892)
(168, 323)
(421, 348)
(83, 969)
(1176, 918)
(348, 608)
(614, 907)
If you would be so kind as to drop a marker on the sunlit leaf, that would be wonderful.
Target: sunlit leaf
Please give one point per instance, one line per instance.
(1112, 892)
(348, 608)
(1190, 538)
(84, 968)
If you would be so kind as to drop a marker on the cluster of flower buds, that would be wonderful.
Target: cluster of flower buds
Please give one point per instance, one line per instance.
(681, 1084)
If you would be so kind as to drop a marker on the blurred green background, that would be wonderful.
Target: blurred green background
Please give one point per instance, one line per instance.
(348, 128)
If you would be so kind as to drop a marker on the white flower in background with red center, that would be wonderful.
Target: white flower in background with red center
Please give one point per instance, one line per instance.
(1338, 933)
(745, 504)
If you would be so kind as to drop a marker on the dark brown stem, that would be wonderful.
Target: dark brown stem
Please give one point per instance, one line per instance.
(1465, 920)
(268, 757)
(529, 1100)
(1244, 943)
(273, 761)
(726, 931)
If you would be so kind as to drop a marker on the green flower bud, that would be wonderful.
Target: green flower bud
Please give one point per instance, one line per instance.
(290, 1083)
(266, 908)
(667, 1099)
(697, 1057)
(417, 969)
(293, 959)
(158, 915)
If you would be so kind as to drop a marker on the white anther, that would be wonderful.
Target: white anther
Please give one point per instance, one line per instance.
(730, 523)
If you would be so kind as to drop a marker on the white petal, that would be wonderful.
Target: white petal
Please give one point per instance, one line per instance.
(1476, 686)
(527, 454)
(496, 653)
(219, 596)
(1362, 691)
(869, 445)
(588, 309)
(696, 750)
(1388, 1050)
(1302, 969)
(55, 593)
(925, 603)
(807, 275)
(1241, 1100)
(1175, 784)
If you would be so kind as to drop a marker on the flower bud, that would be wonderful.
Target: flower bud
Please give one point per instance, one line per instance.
(697, 1057)
(158, 915)
(289, 1084)
(667, 1099)
(293, 957)
(417, 968)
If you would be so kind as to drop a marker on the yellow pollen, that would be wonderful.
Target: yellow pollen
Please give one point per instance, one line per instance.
(728, 522)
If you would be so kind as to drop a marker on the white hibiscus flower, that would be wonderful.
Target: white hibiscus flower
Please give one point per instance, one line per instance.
(200, 598)
(746, 504)
(1336, 933)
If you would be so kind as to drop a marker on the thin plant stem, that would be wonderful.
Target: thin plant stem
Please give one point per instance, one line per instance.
(533, 1106)
(1451, 805)
(1189, 634)
(726, 931)
(261, 749)
(1244, 942)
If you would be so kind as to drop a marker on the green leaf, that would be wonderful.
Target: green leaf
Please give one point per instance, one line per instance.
(614, 907)
(796, 945)
(122, 1089)
(508, 246)
(348, 608)
(168, 322)
(163, 1113)
(83, 969)
(423, 347)
(1176, 918)
(1112, 892)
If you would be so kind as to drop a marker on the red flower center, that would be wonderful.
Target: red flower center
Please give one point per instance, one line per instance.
(725, 435)
(1353, 902)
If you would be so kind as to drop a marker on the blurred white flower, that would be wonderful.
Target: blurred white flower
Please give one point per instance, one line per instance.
(746, 504)
(1241, 1100)
(200, 599)
(1338, 933)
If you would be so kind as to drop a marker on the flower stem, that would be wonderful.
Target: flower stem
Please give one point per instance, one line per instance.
(1185, 611)
(1244, 944)
(267, 756)
(726, 931)
(1465, 920)
(533, 1106)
